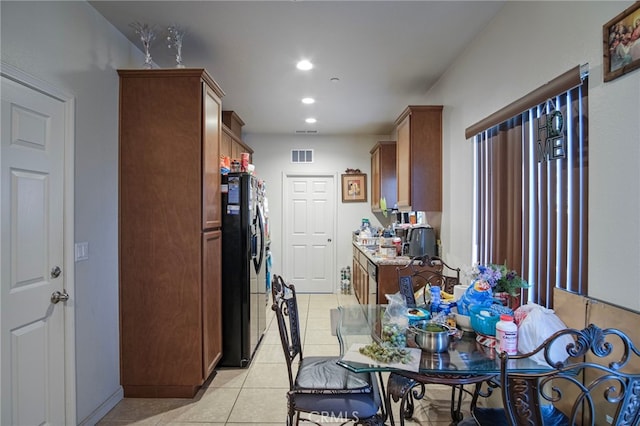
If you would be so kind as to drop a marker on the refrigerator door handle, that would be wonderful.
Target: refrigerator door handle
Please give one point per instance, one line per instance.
(260, 231)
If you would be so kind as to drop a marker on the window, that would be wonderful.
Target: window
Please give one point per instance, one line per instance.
(530, 191)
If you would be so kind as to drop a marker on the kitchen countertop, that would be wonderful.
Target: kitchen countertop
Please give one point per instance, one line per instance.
(380, 260)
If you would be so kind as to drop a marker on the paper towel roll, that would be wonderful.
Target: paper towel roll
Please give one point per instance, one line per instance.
(458, 290)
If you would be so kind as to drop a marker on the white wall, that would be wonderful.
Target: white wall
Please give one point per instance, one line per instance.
(332, 154)
(70, 45)
(528, 44)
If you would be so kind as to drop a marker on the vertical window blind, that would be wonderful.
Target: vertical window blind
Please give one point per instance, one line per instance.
(531, 188)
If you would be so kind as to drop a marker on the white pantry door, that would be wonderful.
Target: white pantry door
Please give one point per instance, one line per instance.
(309, 228)
(32, 341)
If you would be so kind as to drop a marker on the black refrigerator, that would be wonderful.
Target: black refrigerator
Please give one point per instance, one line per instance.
(244, 287)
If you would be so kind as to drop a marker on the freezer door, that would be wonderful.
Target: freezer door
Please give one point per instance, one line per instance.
(236, 271)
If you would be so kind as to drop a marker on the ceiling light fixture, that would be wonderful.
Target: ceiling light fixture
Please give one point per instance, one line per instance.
(308, 101)
(310, 120)
(304, 65)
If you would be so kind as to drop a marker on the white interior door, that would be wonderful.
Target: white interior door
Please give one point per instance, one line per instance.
(309, 228)
(32, 344)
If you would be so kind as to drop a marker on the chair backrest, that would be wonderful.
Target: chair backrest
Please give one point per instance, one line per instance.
(406, 289)
(593, 378)
(285, 305)
(421, 271)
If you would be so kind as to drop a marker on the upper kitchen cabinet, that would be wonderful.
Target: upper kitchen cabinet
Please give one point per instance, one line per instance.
(383, 174)
(233, 121)
(419, 158)
(232, 145)
(169, 231)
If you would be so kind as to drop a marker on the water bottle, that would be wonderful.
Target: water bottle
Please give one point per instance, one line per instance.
(435, 299)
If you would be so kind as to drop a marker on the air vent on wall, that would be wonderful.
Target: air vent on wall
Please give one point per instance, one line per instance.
(302, 156)
(306, 132)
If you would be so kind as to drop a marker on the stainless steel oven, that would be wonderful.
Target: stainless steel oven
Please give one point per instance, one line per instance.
(372, 270)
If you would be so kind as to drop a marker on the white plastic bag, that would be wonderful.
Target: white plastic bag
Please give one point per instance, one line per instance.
(395, 321)
(537, 324)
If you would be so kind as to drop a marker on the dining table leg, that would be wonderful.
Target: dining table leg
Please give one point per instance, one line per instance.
(401, 387)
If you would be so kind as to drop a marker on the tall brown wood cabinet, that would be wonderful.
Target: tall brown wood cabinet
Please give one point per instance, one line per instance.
(383, 174)
(170, 238)
(419, 158)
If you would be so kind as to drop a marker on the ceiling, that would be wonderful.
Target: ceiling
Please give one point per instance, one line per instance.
(386, 55)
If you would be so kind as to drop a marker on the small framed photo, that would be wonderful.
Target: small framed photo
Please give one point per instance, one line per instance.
(354, 187)
(621, 43)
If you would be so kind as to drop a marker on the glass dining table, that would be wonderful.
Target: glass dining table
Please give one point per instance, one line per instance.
(465, 362)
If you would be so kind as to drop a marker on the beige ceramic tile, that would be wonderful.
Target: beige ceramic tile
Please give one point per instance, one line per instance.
(322, 306)
(264, 376)
(144, 410)
(116, 422)
(271, 337)
(321, 311)
(191, 424)
(321, 350)
(214, 406)
(347, 299)
(258, 406)
(319, 323)
(229, 378)
(320, 337)
(271, 354)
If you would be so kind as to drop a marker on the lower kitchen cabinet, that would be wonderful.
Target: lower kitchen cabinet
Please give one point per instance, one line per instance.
(373, 288)
(211, 301)
(360, 277)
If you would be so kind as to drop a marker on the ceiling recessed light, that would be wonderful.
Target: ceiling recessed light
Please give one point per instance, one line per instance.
(310, 120)
(304, 65)
(308, 101)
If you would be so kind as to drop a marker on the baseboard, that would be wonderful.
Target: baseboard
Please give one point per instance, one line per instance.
(104, 408)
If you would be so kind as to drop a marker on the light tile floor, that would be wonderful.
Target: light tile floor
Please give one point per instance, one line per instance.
(257, 395)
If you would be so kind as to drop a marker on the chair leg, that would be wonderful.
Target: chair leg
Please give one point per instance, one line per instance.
(291, 414)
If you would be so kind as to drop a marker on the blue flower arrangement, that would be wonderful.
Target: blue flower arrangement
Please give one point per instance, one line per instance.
(499, 277)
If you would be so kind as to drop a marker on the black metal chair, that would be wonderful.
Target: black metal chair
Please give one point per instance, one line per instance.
(418, 273)
(320, 385)
(594, 380)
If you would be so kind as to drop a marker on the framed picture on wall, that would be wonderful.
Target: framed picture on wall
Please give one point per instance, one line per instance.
(354, 187)
(621, 43)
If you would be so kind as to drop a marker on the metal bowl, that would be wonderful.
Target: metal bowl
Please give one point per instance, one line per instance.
(432, 341)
